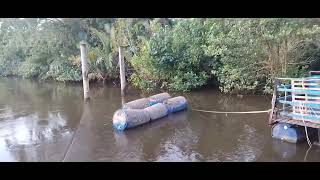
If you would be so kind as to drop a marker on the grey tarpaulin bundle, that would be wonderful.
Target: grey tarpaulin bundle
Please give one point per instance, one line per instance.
(144, 110)
(137, 104)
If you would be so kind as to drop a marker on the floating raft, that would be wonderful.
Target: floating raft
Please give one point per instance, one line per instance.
(144, 110)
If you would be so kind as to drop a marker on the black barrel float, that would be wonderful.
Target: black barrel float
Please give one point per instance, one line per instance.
(291, 133)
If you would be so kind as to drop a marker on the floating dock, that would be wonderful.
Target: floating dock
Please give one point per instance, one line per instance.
(296, 101)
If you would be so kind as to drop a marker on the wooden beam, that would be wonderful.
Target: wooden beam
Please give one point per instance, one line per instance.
(306, 84)
(307, 88)
(307, 97)
(297, 122)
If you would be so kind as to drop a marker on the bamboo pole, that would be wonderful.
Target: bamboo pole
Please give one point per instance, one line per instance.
(122, 72)
(85, 70)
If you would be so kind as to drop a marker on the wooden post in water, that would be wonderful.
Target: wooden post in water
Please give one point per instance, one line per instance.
(274, 100)
(123, 99)
(122, 72)
(85, 70)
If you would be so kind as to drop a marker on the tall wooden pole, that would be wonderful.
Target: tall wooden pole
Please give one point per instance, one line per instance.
(123, 99)
(122, 72)
(85, 70)
(273, 101)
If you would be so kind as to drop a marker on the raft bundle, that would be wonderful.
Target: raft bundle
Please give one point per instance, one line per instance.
(144, 110)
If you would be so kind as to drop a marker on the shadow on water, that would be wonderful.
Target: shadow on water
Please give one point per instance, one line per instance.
(50, 122)
(82, 143)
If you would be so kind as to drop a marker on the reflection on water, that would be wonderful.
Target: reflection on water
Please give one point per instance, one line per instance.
(283, 149)
(31, 130)
(34, 123)
(50, 122)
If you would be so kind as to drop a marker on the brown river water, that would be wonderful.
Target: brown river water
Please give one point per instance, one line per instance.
(50, 122)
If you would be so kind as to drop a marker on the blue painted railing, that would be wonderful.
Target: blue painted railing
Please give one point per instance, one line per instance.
(307, 97)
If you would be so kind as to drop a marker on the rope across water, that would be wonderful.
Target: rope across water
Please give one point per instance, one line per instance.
(232, 112)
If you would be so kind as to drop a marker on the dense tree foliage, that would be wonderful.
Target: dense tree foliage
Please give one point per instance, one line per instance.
(243, 55)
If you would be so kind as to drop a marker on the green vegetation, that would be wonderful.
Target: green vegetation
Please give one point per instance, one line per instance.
(241, 55)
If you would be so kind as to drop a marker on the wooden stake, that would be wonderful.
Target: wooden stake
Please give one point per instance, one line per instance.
(274, 100)
(122, 72)
(85, 70)
(123, 99)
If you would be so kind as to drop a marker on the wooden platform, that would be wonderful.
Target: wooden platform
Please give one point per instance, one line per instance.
(296, 122)
(298, 102)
